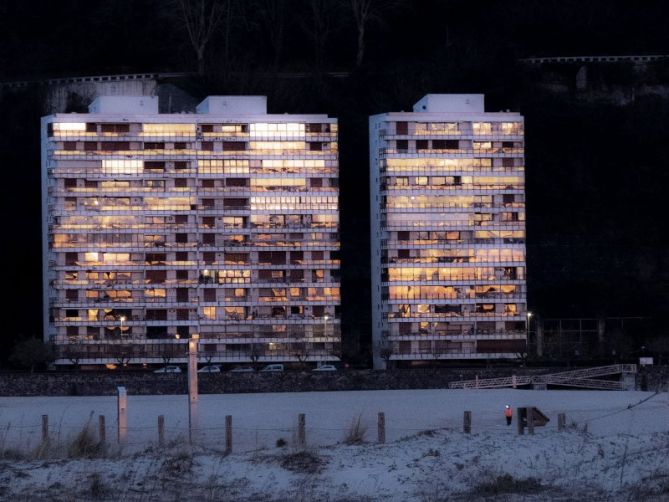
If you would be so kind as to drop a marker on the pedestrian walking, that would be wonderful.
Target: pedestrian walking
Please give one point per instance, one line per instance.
(508, 413)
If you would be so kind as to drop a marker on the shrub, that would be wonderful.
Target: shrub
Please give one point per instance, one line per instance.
(356, 431)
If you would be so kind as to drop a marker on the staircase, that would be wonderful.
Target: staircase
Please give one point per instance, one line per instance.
(583, 378)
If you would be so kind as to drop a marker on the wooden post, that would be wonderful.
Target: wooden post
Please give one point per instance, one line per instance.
(193, 423)
(45, 428)
(530, 420)
(161, 430)
(301, 435)
(382, 427)
(521, 429)
(562, 422)
(467, 425)
(228, 434)
(102, 430)
(122, 414)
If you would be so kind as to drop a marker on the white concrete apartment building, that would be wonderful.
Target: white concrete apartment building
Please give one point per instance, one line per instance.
(222, 222)
(447, 232)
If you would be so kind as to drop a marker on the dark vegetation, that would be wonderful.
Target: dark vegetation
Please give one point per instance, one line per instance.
(596, 168)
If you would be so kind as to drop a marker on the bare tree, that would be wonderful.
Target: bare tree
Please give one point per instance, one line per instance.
(201, 19)
(318, 27)
(272, 16)
(366, 12)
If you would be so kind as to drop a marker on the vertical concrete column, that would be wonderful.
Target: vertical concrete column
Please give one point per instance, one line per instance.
(122, 414)
(193, 422)
(467, 423)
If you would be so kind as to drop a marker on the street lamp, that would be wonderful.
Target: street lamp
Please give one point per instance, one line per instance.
(527, 325)
(122, 319)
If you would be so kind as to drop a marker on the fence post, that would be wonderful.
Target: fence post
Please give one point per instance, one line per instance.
(45, 428)
(382, 427)
(530, 420)
(122, 414)
(161, 430)
(477, 381)
(514, 382)
(193, 423)
(561, 422)
(228, 434)
(519, 418)
(102, 430)
(467, 423)
(301, 436)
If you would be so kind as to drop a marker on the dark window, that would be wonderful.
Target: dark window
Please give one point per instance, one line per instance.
(182, 256)
(182, 275)
(315, 147)
(402, 144)
(90, 146)
(209, 239)
(209, 295)
(208, 257)
(156, 315)
(156, 276)
(70, 145)
(316, 182)
(181, 183)
(71, 258)
(181, 219)
(237, 182)
(402, 128)
(154, 146)
(233, 146)
(182, 314)
(403, 236)
(181, 165)
(182, 294)
(421, 144)
(207, 146)
(153, 165)
(228, 202)
(181, 238)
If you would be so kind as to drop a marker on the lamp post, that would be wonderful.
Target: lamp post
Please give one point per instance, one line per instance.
(122, 319)
(527, 326)
(325, 327)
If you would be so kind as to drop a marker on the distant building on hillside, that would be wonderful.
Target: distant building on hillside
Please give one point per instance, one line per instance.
(222, 223)
(447, 232)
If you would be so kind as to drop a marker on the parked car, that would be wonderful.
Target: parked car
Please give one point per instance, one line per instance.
(211, 368)
(168, 369)
(242, 369)
(325, 367)
(272, 368)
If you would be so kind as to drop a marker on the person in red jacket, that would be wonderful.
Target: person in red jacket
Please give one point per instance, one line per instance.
(508, 413)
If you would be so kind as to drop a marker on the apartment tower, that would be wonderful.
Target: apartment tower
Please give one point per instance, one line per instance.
(447, 232)
(222, 222)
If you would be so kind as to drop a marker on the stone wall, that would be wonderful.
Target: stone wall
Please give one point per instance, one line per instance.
(147, 383)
